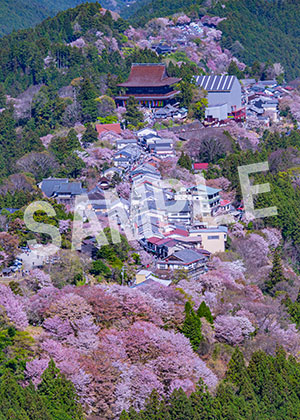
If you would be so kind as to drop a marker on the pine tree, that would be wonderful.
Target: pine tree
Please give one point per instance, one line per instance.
(204, 312)
(87, 99)
(72, 141)
(2, 97)
(90, 135)
(192, 326)
(133, 115)
(276, 275)
(59, 394)
(184, 161)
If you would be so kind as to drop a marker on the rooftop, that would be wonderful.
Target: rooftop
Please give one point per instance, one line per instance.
(54, 186)
(215, 83)
(105, 128)
(149, 75)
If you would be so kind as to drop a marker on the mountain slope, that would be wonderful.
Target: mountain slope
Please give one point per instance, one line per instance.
(20, 14)
(267, 30)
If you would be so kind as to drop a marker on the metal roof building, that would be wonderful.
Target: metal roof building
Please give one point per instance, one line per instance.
(221, 90)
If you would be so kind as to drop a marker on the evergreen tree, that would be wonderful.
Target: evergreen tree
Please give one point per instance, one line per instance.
(59, 395)
(204, 312)
(233, 70)
(72, 141)
(276, 274)
(185, 161)
(87, 99)
(90, 135)
(192, 326)
(180, 405)
(133, 115)
(2, 97)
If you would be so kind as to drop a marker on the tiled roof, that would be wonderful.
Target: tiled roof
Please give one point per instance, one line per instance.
(52, 186)
(215, 83)
(180, 232)
(200, 166)
(188, 256)
(104, 128)
(149, 75)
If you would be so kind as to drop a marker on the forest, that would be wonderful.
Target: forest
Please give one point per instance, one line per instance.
(76, 340)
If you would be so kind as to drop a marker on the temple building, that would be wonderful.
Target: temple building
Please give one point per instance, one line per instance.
(150, 85)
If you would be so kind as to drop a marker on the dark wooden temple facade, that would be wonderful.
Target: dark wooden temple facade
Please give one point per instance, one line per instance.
(150, 85)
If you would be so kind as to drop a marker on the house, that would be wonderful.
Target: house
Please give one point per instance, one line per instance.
(61, 189)
(225, 205)
(218, 111)
(200, 167)
(213, 238)
(145, 132)
(145, 169)
(221, 91)
(110, 172)
(178, 211)
(150, 85)
(145, 277)
(97, 200)
(163, 49)
(207, 197)
(105, 128)
(161, 147)
(193, 262)
(125, 142)
(127, 156)
(160, 247)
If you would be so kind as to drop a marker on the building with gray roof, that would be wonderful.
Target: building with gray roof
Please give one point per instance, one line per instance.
(221, 90)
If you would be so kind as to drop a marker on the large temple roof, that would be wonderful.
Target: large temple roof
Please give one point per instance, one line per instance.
(149, 75)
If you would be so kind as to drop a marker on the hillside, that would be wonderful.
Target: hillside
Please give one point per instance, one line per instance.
(267, 30)
(141, 12)
(17, 14)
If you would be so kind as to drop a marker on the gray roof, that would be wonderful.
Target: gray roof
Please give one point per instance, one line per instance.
(215, 83)
(54, 186)
(177, 206)
(188, 255)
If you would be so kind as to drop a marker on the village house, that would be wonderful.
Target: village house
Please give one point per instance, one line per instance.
(61, 189)
(106, 128)
(127, 156)
(160, 247)
(208, 198)
(193, 262)
(150, 85)
(213, 238)
(125, 142)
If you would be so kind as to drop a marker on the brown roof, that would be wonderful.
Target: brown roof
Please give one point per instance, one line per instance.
(104, 128)
(149, 75)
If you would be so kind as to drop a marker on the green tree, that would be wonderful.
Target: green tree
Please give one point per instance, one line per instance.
(2, 97)
(204, 312)
(87, 98)
(90, 135)
(233, 70)
(185, 161)
(133, 115)
(100, 269)
(276, 275)
(59, 395)
(198, 109)
(192, 326)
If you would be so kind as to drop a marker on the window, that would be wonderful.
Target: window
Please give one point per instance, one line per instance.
(213, 237)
